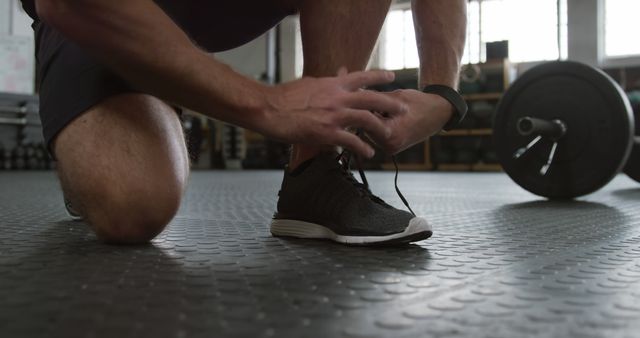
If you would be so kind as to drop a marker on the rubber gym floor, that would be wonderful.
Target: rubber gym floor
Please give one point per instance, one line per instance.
(501, 263)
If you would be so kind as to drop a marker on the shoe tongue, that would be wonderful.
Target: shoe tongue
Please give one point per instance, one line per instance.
(301, 168)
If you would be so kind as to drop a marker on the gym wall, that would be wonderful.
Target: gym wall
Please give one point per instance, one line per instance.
(249, 59)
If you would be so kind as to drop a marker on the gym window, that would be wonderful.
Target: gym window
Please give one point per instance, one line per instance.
(398, 48)
(536, 31)
(620, 19)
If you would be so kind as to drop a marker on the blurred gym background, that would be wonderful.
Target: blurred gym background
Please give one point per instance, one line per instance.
(504, 39)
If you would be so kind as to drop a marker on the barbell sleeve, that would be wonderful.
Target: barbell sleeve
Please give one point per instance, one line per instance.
(553, 129)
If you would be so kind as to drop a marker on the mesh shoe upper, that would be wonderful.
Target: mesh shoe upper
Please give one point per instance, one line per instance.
(327, 194)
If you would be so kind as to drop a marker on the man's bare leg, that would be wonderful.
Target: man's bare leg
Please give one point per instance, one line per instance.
(337, 33)
(124, 166)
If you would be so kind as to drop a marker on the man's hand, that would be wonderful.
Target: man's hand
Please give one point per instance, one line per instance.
(320, 110)
(426, 115)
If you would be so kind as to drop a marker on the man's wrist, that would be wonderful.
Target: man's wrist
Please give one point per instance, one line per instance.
(458, 105)
(443, 106)
(247, 103)
(263, 104)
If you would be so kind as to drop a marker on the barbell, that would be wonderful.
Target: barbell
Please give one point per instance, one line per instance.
(565, 129)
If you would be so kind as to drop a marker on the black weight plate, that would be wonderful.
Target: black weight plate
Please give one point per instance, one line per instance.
(599, 129)
(632, 168)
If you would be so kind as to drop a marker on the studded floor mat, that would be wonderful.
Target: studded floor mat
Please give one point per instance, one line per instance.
(501, 263)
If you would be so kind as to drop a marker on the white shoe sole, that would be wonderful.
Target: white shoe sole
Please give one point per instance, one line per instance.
(418, 229)
(72, 215)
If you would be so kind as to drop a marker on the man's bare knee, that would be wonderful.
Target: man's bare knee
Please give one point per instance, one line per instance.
(123, 165)
(131, 217)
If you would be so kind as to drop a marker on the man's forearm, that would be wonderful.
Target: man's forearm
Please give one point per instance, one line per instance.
(143, 45)
(440, 35)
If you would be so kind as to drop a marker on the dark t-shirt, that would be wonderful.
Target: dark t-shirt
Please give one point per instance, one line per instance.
(30, 7)
(216, 25)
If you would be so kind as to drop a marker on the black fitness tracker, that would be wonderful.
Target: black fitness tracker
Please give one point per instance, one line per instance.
(453, 97)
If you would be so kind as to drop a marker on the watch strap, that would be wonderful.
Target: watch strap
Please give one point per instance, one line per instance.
(453, 97)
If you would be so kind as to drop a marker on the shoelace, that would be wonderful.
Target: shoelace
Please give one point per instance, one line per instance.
(345, 158)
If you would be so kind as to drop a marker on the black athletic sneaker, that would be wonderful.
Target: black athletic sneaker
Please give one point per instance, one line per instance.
(322, 199)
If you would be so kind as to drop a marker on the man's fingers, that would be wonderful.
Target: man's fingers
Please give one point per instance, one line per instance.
(342, 71)
(375, 101)
(372, 124)
(353, 143)
(357, 80)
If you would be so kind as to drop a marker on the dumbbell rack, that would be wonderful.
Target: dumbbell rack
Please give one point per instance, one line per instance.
(478, 165)
(15, 110)
(18, 113)
(423, 163)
